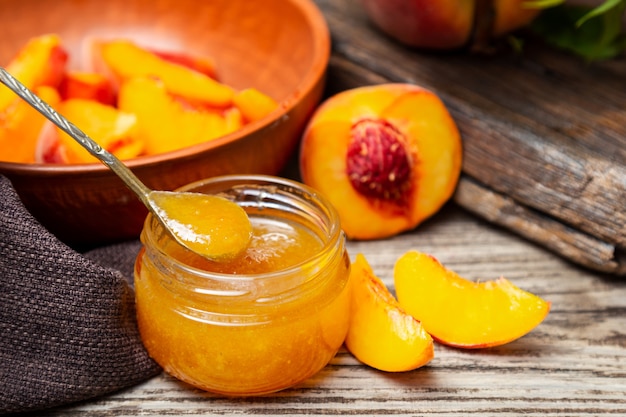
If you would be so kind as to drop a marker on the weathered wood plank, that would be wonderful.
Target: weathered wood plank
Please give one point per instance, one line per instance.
(572, 364)
(558, 237)
(543, 129)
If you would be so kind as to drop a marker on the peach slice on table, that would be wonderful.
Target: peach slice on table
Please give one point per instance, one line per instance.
(387, 156)
(381, 334)
(462, 313)
(20, 131)
(87, 85)
(166, 122)
(114, 130)
(124, 60)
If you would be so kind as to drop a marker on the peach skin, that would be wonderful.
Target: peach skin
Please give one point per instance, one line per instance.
(448, 24)
(424, 23)
(87, 85)
(461, 313)
(510, 15)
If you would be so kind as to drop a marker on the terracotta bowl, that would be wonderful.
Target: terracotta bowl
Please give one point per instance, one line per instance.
(280, 47)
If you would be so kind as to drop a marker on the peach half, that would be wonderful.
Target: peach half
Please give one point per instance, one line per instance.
(461, 313)
(381, 334)
(387, 156)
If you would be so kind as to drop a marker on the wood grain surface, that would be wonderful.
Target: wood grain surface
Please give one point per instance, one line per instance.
(542, 130)
(572, 364)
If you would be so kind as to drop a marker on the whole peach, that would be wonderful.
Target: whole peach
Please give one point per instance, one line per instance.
(447, 24)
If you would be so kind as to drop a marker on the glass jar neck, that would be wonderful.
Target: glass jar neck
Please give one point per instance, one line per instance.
(264, 196)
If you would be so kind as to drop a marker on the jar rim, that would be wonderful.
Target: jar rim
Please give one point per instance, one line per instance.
(334, 233)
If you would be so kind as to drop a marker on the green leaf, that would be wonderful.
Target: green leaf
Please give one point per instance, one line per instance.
(600, 37)
(600, 10)
(541, 4)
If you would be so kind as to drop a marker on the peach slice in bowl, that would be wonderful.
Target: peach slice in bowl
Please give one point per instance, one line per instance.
(281, 49)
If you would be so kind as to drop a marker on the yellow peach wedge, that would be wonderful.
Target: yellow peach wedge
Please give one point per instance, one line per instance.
(462, 313)
(381, 334)
(166, 122)
(114, 130)
(253, 104)
(41, 61)
(125, 60)
(20, 130)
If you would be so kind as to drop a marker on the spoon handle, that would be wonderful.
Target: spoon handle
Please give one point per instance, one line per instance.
(78, 135)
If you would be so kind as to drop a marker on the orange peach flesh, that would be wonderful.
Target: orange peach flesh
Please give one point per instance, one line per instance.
(19, 132)
(167, 123)
(433, 141)
(114, 130)
(40, 62)
(39, 65)
(253, 104)
(461, 313)
(125, 60)
(381, 334)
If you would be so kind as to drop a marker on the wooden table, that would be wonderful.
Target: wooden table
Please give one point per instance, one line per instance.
(574, 363)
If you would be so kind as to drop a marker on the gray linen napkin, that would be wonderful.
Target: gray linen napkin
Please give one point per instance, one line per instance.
(67, 320)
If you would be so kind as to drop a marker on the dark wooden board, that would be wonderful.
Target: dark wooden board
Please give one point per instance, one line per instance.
(544, 133)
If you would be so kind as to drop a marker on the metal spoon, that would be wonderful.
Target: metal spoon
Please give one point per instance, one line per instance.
(189, 217)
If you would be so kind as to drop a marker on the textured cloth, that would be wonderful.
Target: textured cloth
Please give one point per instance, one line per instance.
(68, 330)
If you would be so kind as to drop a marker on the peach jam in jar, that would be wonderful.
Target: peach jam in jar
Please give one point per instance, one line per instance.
(263, 321)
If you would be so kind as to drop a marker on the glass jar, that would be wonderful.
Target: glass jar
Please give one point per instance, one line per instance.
(264, 322)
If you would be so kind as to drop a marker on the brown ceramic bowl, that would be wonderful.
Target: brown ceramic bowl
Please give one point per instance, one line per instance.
(280, 47)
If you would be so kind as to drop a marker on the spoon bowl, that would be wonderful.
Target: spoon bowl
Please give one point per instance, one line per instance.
(210, 226)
